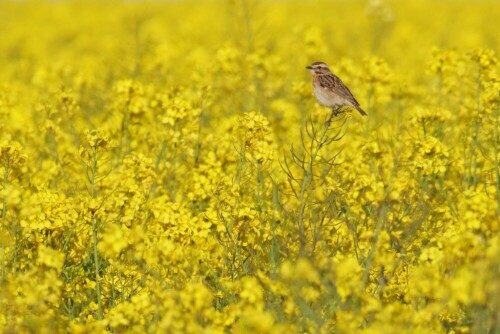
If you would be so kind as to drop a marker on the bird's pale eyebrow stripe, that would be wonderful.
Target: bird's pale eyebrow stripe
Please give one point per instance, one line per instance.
(318, 63)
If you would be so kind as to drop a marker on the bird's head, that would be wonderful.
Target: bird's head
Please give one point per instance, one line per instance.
(318, 68)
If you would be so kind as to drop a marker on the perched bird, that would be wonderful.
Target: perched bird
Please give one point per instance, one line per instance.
(330, 90)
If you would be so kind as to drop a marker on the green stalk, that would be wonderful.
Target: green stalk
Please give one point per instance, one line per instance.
(124, 137)
(248, 25)
(497, 137)
(173, 190)
(197, 148)
(274, 255)
(373, 250)
(236, 254)
(475, 140)
(308, 178)
(159, 158)
(440, 87)
(60, 162)
(4, 214)
(259, 192)
(94, 230)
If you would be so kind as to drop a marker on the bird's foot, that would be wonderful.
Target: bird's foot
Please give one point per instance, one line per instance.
(334, 113)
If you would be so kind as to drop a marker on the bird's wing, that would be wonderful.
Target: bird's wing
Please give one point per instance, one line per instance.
(334, 83)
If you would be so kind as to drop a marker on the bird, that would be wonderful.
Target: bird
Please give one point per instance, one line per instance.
(330, 91)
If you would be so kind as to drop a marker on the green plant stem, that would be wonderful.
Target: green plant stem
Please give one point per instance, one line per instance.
(60, 163)
(4, 214)
(96, 264)
(124, 133)
(440, 88)
(236, 253)
(475, 140)
(276, 205)
(248, 25)
(94, 233)
(173, 190)
(159, 158)
(259, 191)
(308, 178)
(373, 250)
(497, 172)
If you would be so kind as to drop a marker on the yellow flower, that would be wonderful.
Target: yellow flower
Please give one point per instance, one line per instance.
(50, 258)
(251, 291)
(12, 157)
(301, 270)
(114, 240)
(254, 132)
(348, 276)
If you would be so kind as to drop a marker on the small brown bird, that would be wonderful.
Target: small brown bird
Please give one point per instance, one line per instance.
(330, 90)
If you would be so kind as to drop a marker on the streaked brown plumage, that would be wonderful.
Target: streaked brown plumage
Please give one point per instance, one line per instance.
(330, 90)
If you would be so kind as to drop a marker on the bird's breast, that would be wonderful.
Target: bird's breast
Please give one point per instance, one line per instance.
(328, 98)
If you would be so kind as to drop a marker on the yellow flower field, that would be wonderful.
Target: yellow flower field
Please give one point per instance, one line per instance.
(165, 167)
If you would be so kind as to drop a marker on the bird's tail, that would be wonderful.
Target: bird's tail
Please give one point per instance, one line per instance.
(361, 111)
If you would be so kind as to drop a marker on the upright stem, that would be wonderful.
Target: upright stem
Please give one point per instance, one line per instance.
(248, 25)
(4, 214)
(440, 87)
(173, 190)
(259, 192)
(124, 140)
(159, 158)
(475, 140)
(497, 172)
(305, 182)
(59, 161)
(375, 244)
(94, 233)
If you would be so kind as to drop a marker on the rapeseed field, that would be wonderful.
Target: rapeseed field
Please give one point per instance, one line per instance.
(165, 167)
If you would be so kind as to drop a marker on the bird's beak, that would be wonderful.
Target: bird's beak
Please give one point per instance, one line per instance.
(309, 67)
